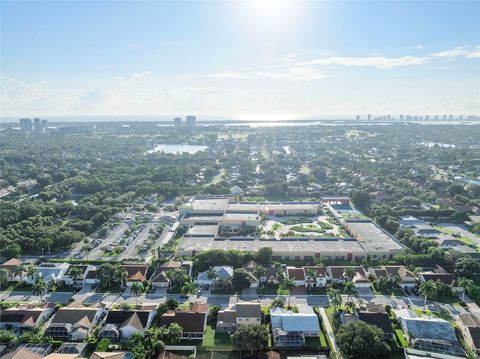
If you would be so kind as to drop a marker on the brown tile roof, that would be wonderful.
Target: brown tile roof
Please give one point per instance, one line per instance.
(169, 355)
(399, 270)
(337, 271)
(320, 270)
(135, 272)
(198, 307)
(469, 320)
(380, 272)
(22, 354)
(108, 355)
(13, 262)
(249, 310)
(295, 273)
(189, 321)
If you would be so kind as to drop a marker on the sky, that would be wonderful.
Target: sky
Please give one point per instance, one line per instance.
(270, 59)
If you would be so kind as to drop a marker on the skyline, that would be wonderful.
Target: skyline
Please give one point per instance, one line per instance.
(234, 59)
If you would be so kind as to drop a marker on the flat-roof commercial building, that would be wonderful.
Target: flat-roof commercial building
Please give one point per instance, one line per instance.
(216, 222)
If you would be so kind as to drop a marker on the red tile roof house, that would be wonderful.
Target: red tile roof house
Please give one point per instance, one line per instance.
(438, 273)
(320, 279)
(24, 317)
(11, 265)
(135, 273)
(193, 322)
(337, 275)
(407, 277)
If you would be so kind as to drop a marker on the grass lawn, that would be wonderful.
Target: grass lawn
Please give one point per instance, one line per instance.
(269, 290)
(317, 343)
(216, 340)
(400, 337)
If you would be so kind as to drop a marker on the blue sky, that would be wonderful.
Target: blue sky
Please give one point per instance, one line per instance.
(242, 59)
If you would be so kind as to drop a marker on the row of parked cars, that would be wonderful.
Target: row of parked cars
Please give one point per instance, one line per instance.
(101, 238)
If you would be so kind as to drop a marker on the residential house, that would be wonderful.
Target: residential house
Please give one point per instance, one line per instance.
(24, 318)
(426, 230)
(448, 241)
(225, 272)
(440, 274)
(73, 323)
(337, 275)
(51, 273)
(410, 221)
(119, 325)
(111, 355)
(422, 354)
(431, 334)
(297, 275)
(135, 273)
(290, 329)
(470, 327)
(11, 265)
(241, 313)
(90, 276)
(320, 279)
(193, 322)
(71, 280)
(29, 351)
(407, 278)
(377, 316)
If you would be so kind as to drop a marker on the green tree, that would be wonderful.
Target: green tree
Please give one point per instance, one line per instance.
(76, 273)
(241, 279)
(188, 288)
(251, 338)
(103, 345)
(264, 255)
(359, 340)
(429, 290)
(39, 288)
(136, 289)
(171, 304)
(349, 290)
(361, 199)
(4, 276)
(466, 284)
(335, 298)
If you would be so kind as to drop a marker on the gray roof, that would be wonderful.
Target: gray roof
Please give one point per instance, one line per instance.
(430, 329)
(249, 310)
(294, 322)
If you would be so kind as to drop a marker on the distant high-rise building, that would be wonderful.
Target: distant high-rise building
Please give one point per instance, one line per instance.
(26, 124)
(427, 117)
(37, 125)
(369, 117)
(460, 117)
(44, 125)
(415, 118)
(401, 117)
(388, 117)
(444, 117)
(177, 122)
(450, 117)
(436, 117)
(191, 122)
(358, 117)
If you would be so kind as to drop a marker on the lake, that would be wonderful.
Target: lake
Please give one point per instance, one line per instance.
(178, 149)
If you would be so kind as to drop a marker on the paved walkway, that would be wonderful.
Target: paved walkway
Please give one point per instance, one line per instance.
(329, 329)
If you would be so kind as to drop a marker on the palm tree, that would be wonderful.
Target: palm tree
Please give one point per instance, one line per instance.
(311, 276)
(288, 284)
(86, 249)
(170, 274)
(335, 298)
(466, 284)
(19, 271)
(188, 288)
(212, 275)
(39, 288)
(395, 280)
(259, 272)
(4, 276)
(428, 289)
(179, 276)
(349, 273)
(136, 289)
(31, 271)
(76, 273)
(349, 289)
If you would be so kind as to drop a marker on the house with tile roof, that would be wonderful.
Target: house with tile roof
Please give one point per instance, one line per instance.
(377, 316)
(290, 329)
(222, 272)
(73, 324)
(11, 265)
(320, 279)
(407, 279)
(440, 274)
(119, 325)
(470, 327)
(193, 322)
(135, 273)
(71, 280)
(337, 275)
(240, 313)
(24, 318)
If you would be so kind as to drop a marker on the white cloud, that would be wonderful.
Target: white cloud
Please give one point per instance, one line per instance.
(172, 43)
(380, 62)
(135, 75)
(183, 76)
(296, 74)
(418, 46)
(460, 51)
(135, 46)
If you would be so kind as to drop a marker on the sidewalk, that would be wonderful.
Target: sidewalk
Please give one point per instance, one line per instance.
(328, 328)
